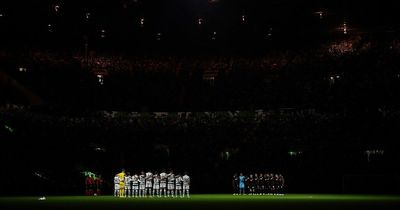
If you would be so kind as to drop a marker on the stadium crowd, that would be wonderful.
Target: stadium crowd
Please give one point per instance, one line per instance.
(315, 77)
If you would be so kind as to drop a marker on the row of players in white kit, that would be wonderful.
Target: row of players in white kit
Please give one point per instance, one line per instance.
(149, 184)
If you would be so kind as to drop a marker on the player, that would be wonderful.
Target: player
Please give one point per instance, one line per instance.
(261, 184)
(135, 185)
(178, 186)
(88, 184)
(128, 188)
(121, 176)
(99, 185)
(272, 183)
(242, 180)
(171, 184)
(256, 184)
(281, 184)
(186, 185)
(116, 185)
(163, 183)
(142, 184)
(250, 184)
(268, 188)
(149, 184)
(156, 185)
(235, 184)
(277, 184)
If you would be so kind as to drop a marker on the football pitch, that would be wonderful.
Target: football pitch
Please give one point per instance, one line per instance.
(211, 201)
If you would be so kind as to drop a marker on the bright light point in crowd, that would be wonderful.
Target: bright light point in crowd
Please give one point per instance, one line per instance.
(87, 15)
(57, 8)
(295, 153)
(103, 33)
(142, 22)
(99, 149)
(243, 18)
(320, 14)
(269, 32)
(1, 15)
(49, 27)
(214, 36)
(200, 21)
(100, 79)
(158, 36)
(10, 129)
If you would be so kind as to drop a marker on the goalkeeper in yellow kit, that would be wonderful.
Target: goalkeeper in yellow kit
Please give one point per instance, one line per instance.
(121, 183)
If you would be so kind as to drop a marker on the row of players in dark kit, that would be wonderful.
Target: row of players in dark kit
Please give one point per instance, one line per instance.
(93, 185)
(258, 184)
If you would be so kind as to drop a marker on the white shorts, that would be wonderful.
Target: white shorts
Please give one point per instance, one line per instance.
(148, 184)
(163, 185)
(142, 187)
(171, 186)
(156, 187)
(186, 187)
(135, 187)
(178, 187)
(128, 187)
(116, 186)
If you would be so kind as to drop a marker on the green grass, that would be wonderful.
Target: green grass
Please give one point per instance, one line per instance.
(217, 201)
